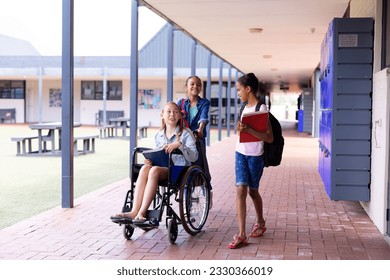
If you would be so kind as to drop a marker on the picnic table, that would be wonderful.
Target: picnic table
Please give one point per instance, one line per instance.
(43, 139)
(120, 123)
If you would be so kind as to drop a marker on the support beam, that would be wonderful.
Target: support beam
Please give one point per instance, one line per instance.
(170, 64)
(67, 104)
(220, 100)
(229, 102)
(133, 79)
(193, 58)
(105, 121)
(40, 107)
(208, 91)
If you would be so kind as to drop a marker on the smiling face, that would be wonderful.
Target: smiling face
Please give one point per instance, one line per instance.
(171, 114)
(194, 86)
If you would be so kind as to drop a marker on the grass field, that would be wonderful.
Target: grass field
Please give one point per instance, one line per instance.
(30, 185)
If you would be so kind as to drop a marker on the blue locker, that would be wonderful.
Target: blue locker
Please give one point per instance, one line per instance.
(345, 109)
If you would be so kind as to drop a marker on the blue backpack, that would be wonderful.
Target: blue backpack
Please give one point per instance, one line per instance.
(272, 151)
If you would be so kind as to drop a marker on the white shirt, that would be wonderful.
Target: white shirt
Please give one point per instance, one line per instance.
(251, 148)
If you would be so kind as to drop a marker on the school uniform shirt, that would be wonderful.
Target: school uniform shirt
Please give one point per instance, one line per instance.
(188, 146)
(251, 148)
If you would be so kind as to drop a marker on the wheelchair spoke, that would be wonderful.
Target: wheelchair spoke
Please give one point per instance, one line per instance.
(195, 203)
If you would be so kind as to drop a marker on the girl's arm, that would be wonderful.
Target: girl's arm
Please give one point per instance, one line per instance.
(188, 146)
(267, 136)
(204, 117)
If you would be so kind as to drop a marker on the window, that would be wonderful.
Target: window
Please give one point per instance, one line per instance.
(114, 90)
(214, 103)
(93, 90)
(12, 89)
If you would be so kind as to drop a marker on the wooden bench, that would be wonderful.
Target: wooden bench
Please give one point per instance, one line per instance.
(22, 142)
(109, 115)
(106, 131)
(8, 115)
(88, 144)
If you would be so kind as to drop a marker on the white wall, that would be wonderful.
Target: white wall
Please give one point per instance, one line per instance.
(18, 104)
(377, 205)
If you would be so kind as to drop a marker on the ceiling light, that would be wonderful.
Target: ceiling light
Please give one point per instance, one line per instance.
(267, 56)
(255, 30)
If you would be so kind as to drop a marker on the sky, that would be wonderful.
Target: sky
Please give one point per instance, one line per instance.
(101, 27)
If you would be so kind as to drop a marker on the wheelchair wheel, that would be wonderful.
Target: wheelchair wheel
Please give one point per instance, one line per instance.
(172, 230)
(194, 200)
(128, 231)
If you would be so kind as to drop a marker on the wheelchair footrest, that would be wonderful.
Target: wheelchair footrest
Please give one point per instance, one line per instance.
(152, 220)
(121, 221)
(148, 224)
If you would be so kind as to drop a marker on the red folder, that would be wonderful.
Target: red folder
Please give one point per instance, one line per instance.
(256, 120)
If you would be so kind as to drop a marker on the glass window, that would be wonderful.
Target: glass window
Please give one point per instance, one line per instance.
(99, 90)
(12, 89)
(114, 90)
(87, 90)
(93, 90)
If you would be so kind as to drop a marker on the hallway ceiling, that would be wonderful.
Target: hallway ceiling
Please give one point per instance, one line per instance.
(292, 32)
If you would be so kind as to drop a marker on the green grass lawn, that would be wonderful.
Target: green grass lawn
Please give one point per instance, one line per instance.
(30, 185)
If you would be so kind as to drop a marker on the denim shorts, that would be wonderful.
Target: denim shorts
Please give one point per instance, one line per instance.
(249, 170)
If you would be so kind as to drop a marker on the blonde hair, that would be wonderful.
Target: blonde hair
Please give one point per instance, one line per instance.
(179, 122)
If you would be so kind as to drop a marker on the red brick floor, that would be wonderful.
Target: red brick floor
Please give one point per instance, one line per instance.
(303, 223)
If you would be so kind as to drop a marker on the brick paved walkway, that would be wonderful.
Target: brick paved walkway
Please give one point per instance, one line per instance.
(302, 222)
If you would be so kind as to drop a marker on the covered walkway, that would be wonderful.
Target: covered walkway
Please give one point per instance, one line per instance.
(303, 223)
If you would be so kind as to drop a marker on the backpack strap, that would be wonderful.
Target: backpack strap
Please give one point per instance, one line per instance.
(258, 105)
(184, 114)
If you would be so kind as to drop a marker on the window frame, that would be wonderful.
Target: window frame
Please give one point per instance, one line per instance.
(16, 89)
(96, 90)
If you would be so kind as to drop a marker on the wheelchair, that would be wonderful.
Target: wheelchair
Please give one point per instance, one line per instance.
(186, 191)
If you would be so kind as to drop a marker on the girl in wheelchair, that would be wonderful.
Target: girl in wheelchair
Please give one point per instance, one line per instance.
(172, 136)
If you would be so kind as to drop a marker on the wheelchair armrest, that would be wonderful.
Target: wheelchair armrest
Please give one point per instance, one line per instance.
(174, 152)
(140, 149)
(177, 152)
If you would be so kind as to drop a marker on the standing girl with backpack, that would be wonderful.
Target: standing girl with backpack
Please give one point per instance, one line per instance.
(249, 163)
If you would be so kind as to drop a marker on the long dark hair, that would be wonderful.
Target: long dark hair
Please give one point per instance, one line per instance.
(249, 80)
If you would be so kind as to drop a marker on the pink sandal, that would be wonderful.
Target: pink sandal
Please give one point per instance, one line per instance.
(257, 231)
(238, 242)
